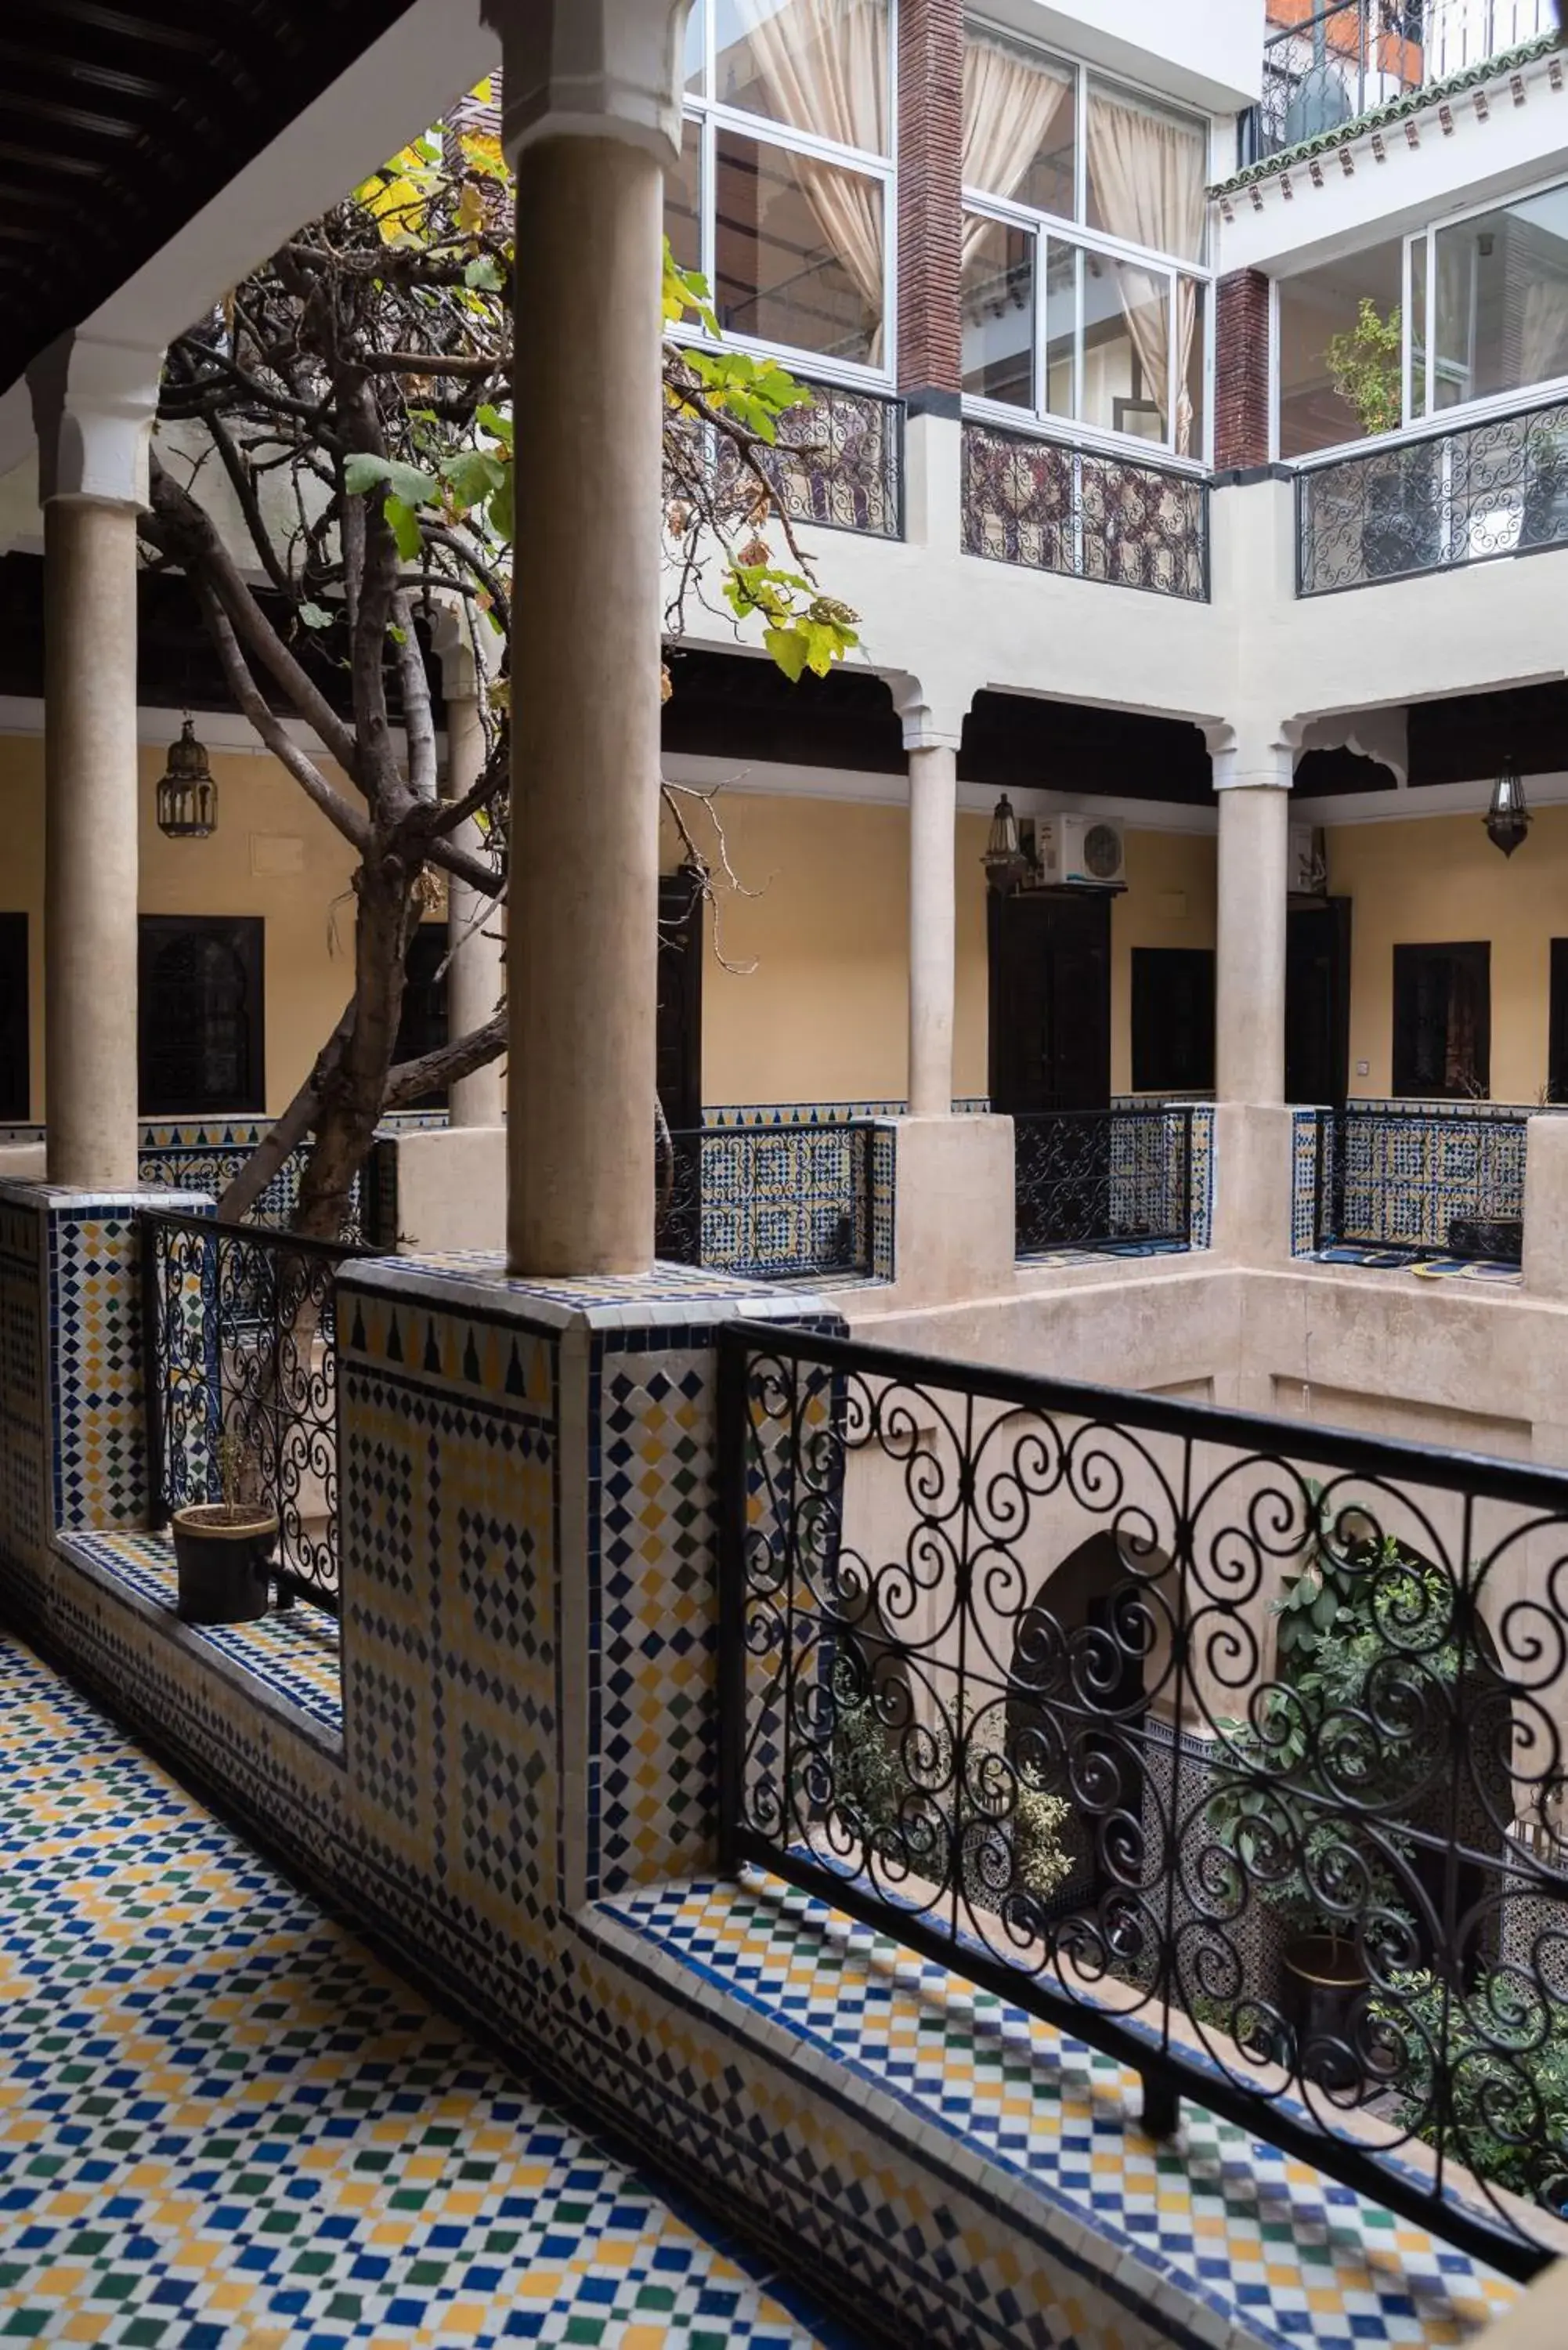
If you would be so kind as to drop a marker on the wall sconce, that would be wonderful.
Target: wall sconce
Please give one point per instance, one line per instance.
(1508, 818)
(1005, 861)
(187, 795)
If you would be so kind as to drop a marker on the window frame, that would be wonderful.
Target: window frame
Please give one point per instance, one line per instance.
(1493, 403)
(709, 116)
(1044, 226)
(251, 947)
(1478, 952)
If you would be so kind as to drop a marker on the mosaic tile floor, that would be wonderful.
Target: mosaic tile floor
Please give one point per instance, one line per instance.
(222, 2121)
(1286, 2255)
(294, 1651)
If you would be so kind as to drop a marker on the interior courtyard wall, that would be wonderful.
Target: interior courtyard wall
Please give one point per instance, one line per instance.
(1436, 880)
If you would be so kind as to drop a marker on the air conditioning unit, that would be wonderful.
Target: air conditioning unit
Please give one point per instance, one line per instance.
(1307, 863)
(1085, 851)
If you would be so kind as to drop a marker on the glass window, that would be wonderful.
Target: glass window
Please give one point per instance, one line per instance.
(695, 63)
(819, 66)
(1126, 348)
(1318, 311)
(1147, 174)
(1417, 335)
(1019, 125)
(998, 308)
(1442, 1020)
(1192, 366)
(1502, 300)
(683, 200)
(798, 255)
(1064, 275)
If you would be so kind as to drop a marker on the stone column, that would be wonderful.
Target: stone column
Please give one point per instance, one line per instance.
(92, 405)
(592, 118)
(476, 972)
(933, 817)
(1253, 789)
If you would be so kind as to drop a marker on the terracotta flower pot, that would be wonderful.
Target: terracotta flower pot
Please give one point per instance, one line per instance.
(222, 1551)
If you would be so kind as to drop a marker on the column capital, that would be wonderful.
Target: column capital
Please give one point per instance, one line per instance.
(93, 405)
(459, 646)
(1249, 756)
(590, 70)
(932, 721)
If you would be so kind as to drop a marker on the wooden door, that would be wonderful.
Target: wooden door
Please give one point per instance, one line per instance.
(1051, 1002)
(15, 1089)
(679, 1068)
(1317, 1003)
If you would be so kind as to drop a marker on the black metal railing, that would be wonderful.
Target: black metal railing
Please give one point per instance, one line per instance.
(838, 463)
(1086, 1178)
(1088, 515)
(1236, 1748)
(1341, 60)
(1422, 1178)
(767, 1202)
(240, 1364)
(1497, 488)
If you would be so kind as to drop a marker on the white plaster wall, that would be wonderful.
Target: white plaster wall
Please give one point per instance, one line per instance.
(1209, 52)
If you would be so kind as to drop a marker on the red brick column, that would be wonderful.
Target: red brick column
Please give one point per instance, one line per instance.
(1241, 372)
(931, 130)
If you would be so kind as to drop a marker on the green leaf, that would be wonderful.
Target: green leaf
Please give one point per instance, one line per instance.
(399, 635)
(500, 508)
(363, 474)
(315, 617)
(472, 474)
(493, 421)
(405, 527)
(789, 649)
(481, 275)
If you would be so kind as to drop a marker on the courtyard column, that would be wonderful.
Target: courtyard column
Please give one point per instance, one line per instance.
(591, 120)
(92, 405)
(475, 972)
(933, 820)
(1253, 784)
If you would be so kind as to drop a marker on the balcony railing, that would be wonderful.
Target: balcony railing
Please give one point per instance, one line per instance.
(1498, 486)
(770, 1203)
(1087, 1178)
(1422, 1179)
(1084, 513)
(1326, 66)
(839, 464)
(239, 1343)
(1235, 1747)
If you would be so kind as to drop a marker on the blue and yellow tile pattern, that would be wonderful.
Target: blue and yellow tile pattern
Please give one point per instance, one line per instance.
(223, 2122)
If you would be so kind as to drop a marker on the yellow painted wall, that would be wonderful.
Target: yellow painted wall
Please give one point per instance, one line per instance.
(1440, 880)
(307, 984)
(822, 1015)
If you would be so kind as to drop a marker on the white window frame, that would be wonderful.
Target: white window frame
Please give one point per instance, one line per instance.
(1044, 225)
(704, 113)
(1494, 403)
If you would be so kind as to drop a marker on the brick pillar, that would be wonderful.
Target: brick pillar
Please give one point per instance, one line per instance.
(1241, 372)
(930, 130)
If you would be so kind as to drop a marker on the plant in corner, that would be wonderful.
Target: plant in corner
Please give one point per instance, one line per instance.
(223, 1546)
(1400, 526)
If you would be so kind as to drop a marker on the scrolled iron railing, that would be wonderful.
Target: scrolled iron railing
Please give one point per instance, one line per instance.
(1234, 1746)
(839, 464)
(1394, 511)
(1422, 1177)
(767, 1202)
(239, 1341)
(1086, 1178)
(1084, 513)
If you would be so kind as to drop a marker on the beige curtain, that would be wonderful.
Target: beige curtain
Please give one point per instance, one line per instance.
(823, 66)
(1146, 177)
(1010, 105)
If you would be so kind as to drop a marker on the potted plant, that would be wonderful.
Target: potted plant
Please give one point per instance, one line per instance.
(222, 1549)
(1400, 529)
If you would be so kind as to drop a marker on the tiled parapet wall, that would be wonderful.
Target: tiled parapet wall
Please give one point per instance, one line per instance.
(71, 1401)
(528, 1532)
(1409, 1169)
(823, 1113)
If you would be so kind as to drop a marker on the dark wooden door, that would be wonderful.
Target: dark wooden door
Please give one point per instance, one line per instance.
(1050, 1002)
(201, 1047)
(679, 1066)
(422, 1021)
(15, 1089)
(1317, 1003)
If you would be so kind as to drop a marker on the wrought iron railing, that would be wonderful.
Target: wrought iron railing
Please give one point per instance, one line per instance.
(1422, 1178)
(1084, 1179)
(1234, 1747)
(767, 1202)
(838, 463)
(1496, 487)
(1085, 515)
(239, 1342)
(1330, 65)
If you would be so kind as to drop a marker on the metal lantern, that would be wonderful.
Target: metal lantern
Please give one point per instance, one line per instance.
(1508, 818)
(1004, 861)
(187, 795)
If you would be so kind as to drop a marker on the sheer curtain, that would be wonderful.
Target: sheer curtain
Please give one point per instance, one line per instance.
(823, 66)
(1146, 179)
(1010, 106)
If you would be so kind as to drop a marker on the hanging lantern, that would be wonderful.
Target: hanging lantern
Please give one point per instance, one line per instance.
(187, 795)
(1508, 818)
(1005, 864)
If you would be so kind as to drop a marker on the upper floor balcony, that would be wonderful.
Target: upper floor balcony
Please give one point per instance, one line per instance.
(1327, 63)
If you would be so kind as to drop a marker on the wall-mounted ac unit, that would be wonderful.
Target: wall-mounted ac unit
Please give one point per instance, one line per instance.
(1085, 851)
(1307, 862)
